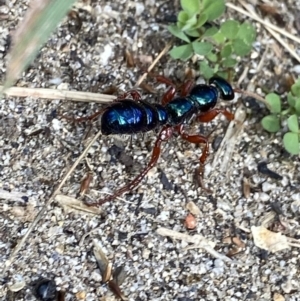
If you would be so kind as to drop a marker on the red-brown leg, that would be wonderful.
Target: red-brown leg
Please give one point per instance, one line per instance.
(159, 78)
(134, 94)
(196, 139)
(205, 152)
(186, 88)
(210, 115)
(184, 91)
(164, 135)
(169, 95)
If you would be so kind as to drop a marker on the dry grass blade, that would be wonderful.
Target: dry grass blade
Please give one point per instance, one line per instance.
(230, 140)
(41, 19)
(163, 52)
(58, 94)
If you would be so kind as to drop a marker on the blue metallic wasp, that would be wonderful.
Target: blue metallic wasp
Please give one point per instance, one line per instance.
(129, 114)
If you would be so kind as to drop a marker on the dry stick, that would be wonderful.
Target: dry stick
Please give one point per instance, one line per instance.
(254, 95)
(230, 139)
(163, 52)
(243, 76)
(58, 94)
(261, 62)
(75, 95)
(265, 23)
(57, 190)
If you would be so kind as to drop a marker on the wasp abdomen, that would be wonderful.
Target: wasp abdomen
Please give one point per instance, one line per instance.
(131, 117)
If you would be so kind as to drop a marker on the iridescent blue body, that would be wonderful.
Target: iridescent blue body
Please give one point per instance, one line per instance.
(130, 116)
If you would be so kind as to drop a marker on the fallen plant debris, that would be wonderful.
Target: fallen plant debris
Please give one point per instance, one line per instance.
(69, 203)
(85, 183)
(271, 241)
(114, 278)
(197, 241)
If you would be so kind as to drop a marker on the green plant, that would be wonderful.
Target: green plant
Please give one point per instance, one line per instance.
(41, 19)
(272, 122)
(220, 46)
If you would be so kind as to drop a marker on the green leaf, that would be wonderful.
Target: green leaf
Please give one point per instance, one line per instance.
(296, 89)
(201, 21)
(274, 102)
(40, 21)
(174, 30)
(183, 52)
(182, 17)
(190, 23)
(297, 106)
(226, 51)
(191, 7)
(291, 100)
(202, 48)
(192, 33)
(271, 123)
(206, 70)
(291, 143)
(240, 47)
(230, 29)
(229, 62)
(222, 74)
(216, 69)
(213, 9)
(219, 37)
(210, 31)
(247, 33)
(212, 57)
(293, 123)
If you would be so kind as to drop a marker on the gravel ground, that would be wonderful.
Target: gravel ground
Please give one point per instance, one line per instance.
(37, 148)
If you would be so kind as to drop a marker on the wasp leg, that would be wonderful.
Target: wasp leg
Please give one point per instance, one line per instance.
(211, 114)
(164, 135)
(197, 139)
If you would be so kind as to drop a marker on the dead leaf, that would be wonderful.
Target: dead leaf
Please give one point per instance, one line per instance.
(70, 203)
(271, 241)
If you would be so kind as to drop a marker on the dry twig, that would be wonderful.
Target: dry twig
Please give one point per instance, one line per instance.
(58, 94)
